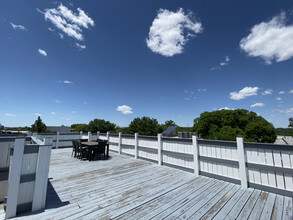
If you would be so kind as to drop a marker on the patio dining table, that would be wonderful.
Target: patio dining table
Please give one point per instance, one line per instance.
(91, 145)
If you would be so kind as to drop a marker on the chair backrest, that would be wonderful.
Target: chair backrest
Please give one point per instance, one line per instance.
(101, 147)
(74, 144)
(84, 140)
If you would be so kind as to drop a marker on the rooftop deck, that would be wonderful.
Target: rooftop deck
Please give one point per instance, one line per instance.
(125, 188)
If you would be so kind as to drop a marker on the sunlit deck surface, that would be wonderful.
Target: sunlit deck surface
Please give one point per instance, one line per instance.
(124, 188)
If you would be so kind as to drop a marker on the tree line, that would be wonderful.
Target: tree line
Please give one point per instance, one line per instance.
(216, 125)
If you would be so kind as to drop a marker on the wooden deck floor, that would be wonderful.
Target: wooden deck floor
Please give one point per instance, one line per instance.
(125, 188)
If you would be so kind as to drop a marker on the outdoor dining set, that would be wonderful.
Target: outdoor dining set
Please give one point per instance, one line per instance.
(90, 150)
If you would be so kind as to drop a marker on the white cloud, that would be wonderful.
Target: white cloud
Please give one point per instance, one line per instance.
(223, 63)
(267, 92)
(67, 82)
(61, 35)
(67, 119)
(80, 46)
(278, 98)
(53, 113)
(10, 115)
(38, 114)
(258, 104)
(272, 40)
(288, 111)
(243, 93)
(202, 90)
(18, 26)
(74, 112)
(42, 52)
(291, 91)
(124, 109)
(282, 92)
(225, 108)
(57, 101)
(51, 29)
(170, 31)
(69, 22)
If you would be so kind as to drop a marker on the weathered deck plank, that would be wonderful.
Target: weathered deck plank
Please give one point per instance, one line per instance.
(125, 188)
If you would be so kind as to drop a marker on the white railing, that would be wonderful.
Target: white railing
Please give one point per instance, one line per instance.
(28, 176)
(262, 166)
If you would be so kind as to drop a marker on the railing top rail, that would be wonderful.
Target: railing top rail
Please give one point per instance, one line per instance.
(186, 140)
(12, 139)
(218, 143)
(128, 135)
(268, 146)
(147, 137)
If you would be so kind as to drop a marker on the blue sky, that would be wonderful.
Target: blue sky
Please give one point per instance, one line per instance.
(73, 61)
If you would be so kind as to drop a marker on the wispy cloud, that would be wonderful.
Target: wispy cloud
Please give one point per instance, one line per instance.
(65, 81)
(67, 21)
(291, 91)
(124, 109)
(281, 92)
(202, 90)
(170, 31)
(288, 111)
(42, 52)
(10, 115)
(278, 98)
(189, 95)
(18, 27)
(74, 112)
(80, 46)
(223, 63)
(244, 93)
(272, 40)
(258, 104)
(57, 101)
(267, 92)
(38, 114)
(53, 113)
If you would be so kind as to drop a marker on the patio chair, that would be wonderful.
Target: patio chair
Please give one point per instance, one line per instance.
(100, 149)
(83, 151)
(75, 150)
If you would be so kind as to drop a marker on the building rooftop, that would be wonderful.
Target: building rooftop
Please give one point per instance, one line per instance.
(124, 188)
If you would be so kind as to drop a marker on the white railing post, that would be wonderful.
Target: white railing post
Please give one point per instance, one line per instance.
(98, 135)
(89, 136)
(242, 162)
(80, 135)
(14, 178)
(160, 146)
(107, 136)
(42, 172)
(119, 142)
(57, 139)
(136, 145)
(195, 155)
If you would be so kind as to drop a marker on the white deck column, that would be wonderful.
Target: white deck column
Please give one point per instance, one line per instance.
(136, 145)
(119, 142)
(57, 139)
(89, 136)
(14, 178)
(160, 146)
(195, 155)
(98, 135)
(242, 162)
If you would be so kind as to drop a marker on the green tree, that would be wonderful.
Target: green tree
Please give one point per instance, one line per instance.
(290, 122)
(145, 126)
(228, 124)
(260, 130)
(80, 127)
(101, 125)
(39, 126)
